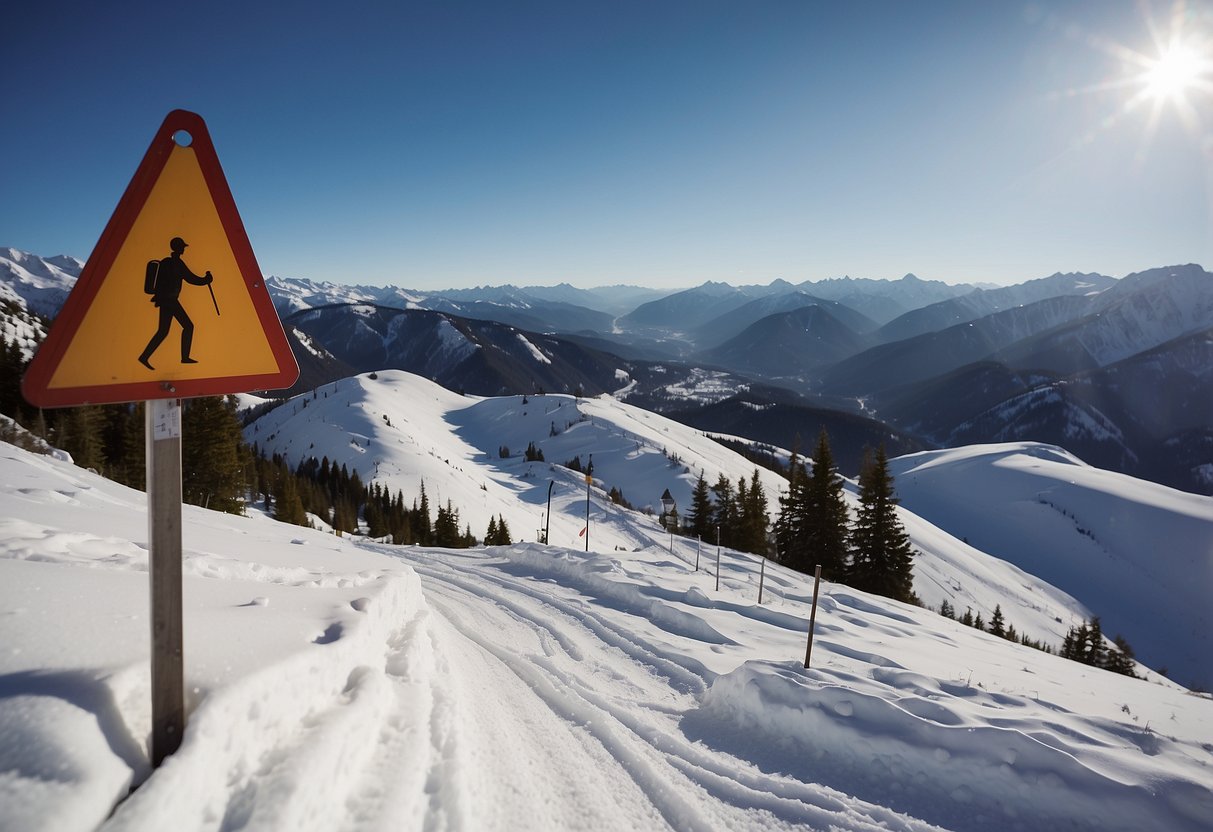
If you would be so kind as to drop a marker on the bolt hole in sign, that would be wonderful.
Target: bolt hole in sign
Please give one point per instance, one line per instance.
(171, 303)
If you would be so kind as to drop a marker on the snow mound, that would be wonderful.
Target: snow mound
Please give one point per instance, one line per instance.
(958, 756)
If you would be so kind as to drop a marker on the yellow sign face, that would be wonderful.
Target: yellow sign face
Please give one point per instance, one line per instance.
(122, 320)
(171, 303)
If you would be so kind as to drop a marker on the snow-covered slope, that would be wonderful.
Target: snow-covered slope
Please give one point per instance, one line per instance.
(982, 302)
(1139, 555)
(1139, 313)
(43, 282)
(338, 684)
(401, 430)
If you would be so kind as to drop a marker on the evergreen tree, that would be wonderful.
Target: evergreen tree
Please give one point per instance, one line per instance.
(946, 610)
(881, 557)
(791, 544)
(503, 532)
(1120, 660)
(724, 516)
(446, 527)
(826, 515)
(79, 432)
(12, 367)
(700, 516)
(288, 508)
(422, 530)
(212, 456)
(967, 618)
(997, 623)
(754, 521)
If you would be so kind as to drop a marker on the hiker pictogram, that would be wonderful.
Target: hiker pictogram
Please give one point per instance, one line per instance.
(163, 282)
(108, 343)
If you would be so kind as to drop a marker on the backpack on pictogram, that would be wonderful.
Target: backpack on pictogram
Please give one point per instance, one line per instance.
(149, 277)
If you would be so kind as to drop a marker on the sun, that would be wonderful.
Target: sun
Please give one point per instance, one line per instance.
(1177, 71)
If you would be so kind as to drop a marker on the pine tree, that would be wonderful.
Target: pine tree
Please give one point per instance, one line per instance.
(422, 530)
(997, 623)
(701, 510)
(946, 609)
(790, 547)
(1094, 651)
(490, 535)
(446, 527)
(826, 514)
(79, 431)
(754, 521)
(724, 515)
(288, 508)
(881, 556)
(1120, 660)
(212, 470)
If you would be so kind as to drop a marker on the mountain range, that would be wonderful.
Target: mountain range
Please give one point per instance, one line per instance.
(1115, 370)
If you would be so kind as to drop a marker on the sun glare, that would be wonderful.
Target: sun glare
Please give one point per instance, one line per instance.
(1174, 73)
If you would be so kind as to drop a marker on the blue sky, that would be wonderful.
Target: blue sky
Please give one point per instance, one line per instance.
(654, 143)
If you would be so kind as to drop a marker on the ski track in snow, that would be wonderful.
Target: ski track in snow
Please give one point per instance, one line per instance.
(553, 654)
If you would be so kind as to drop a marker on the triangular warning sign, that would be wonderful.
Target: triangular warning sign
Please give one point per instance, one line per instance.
(171, 304)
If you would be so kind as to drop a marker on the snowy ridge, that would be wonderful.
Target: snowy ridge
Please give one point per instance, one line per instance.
(43, 281)
(1136, 553)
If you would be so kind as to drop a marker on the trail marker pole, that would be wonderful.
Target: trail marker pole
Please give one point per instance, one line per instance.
(547, 526)
(163, 440)
(588, 479)
(698, 547)
(718, 558)
(813, 615)
(761, 574)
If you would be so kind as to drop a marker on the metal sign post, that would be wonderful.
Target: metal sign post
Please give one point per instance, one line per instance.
(163, 438)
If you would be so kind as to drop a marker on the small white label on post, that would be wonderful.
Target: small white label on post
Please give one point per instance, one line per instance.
(166, 420)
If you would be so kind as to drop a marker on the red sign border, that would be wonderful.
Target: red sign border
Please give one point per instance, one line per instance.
(35, 384)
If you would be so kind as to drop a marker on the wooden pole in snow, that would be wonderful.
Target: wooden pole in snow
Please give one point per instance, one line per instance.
(162, 425)
(761, 574)
(813, 615)
(698, 546)
(718, 558)
(547, 526)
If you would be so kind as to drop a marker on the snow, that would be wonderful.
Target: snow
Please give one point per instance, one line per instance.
(629, 384)
(533, 350)
(1138, 554)
(336, 683)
